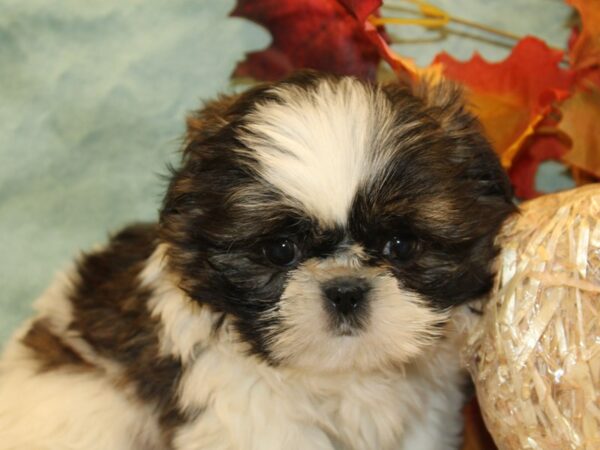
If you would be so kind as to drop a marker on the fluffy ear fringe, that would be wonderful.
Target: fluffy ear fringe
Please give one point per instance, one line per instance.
(210, 118)
(443, 94)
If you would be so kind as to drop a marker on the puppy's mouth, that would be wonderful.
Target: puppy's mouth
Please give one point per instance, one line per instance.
(347, 324)
(346, 328)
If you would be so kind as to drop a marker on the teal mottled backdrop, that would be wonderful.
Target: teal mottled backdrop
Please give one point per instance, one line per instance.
(93, 96)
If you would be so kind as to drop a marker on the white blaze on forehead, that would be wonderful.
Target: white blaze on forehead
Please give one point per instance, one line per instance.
(318, 145)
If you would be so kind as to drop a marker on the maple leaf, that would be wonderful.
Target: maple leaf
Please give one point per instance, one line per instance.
(581, 117)
(316, 34)
(365, 11)
(547, 143)
(361, 9)
(581, 112)
(584, 49)
(513, 96)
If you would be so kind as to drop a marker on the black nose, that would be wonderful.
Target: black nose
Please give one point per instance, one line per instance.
(346, 294)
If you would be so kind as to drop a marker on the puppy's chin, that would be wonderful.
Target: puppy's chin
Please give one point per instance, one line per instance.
(388, 329)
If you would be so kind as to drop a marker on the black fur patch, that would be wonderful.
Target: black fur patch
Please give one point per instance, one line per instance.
(110, 313)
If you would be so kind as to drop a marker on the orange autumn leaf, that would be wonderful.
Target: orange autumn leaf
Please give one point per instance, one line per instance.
(402, 65)
(581, 112)
(513, 96)
(585, 50)
(580, 120)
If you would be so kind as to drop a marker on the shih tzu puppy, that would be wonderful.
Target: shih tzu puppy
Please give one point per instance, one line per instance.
(303, 289)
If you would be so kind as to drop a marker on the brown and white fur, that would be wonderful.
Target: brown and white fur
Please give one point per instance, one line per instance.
(304, 288)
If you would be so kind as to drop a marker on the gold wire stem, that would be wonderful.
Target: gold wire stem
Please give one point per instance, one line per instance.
(486, 28)
(436, 17)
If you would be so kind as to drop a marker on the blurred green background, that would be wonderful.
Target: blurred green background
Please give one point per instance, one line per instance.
(93, 97)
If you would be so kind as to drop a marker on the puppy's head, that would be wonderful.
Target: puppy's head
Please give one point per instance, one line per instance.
(336, 222)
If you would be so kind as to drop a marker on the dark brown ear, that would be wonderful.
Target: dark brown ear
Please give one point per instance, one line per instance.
(210, 118)
(442, 100)
(446, 101)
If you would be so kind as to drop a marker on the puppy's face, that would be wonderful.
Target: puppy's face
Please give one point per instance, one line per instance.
(336, 222)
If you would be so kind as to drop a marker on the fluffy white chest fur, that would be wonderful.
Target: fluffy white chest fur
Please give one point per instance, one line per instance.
(233, 401)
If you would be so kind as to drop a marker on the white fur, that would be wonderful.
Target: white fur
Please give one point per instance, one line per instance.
(399, 325)
(251, 406)
(185, 325)
(242, 403)
(66, 409)
(319, 147)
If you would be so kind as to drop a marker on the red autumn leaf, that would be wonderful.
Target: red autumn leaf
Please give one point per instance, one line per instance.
(537, 148)
(362, 10)
(512, 96)
(584, 50)
(315, 34)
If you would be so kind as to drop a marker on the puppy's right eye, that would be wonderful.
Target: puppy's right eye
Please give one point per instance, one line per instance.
(282, 252)
(399, 248)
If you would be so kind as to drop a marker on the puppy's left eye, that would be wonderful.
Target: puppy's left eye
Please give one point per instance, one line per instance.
(399, 248)
(282, 252)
